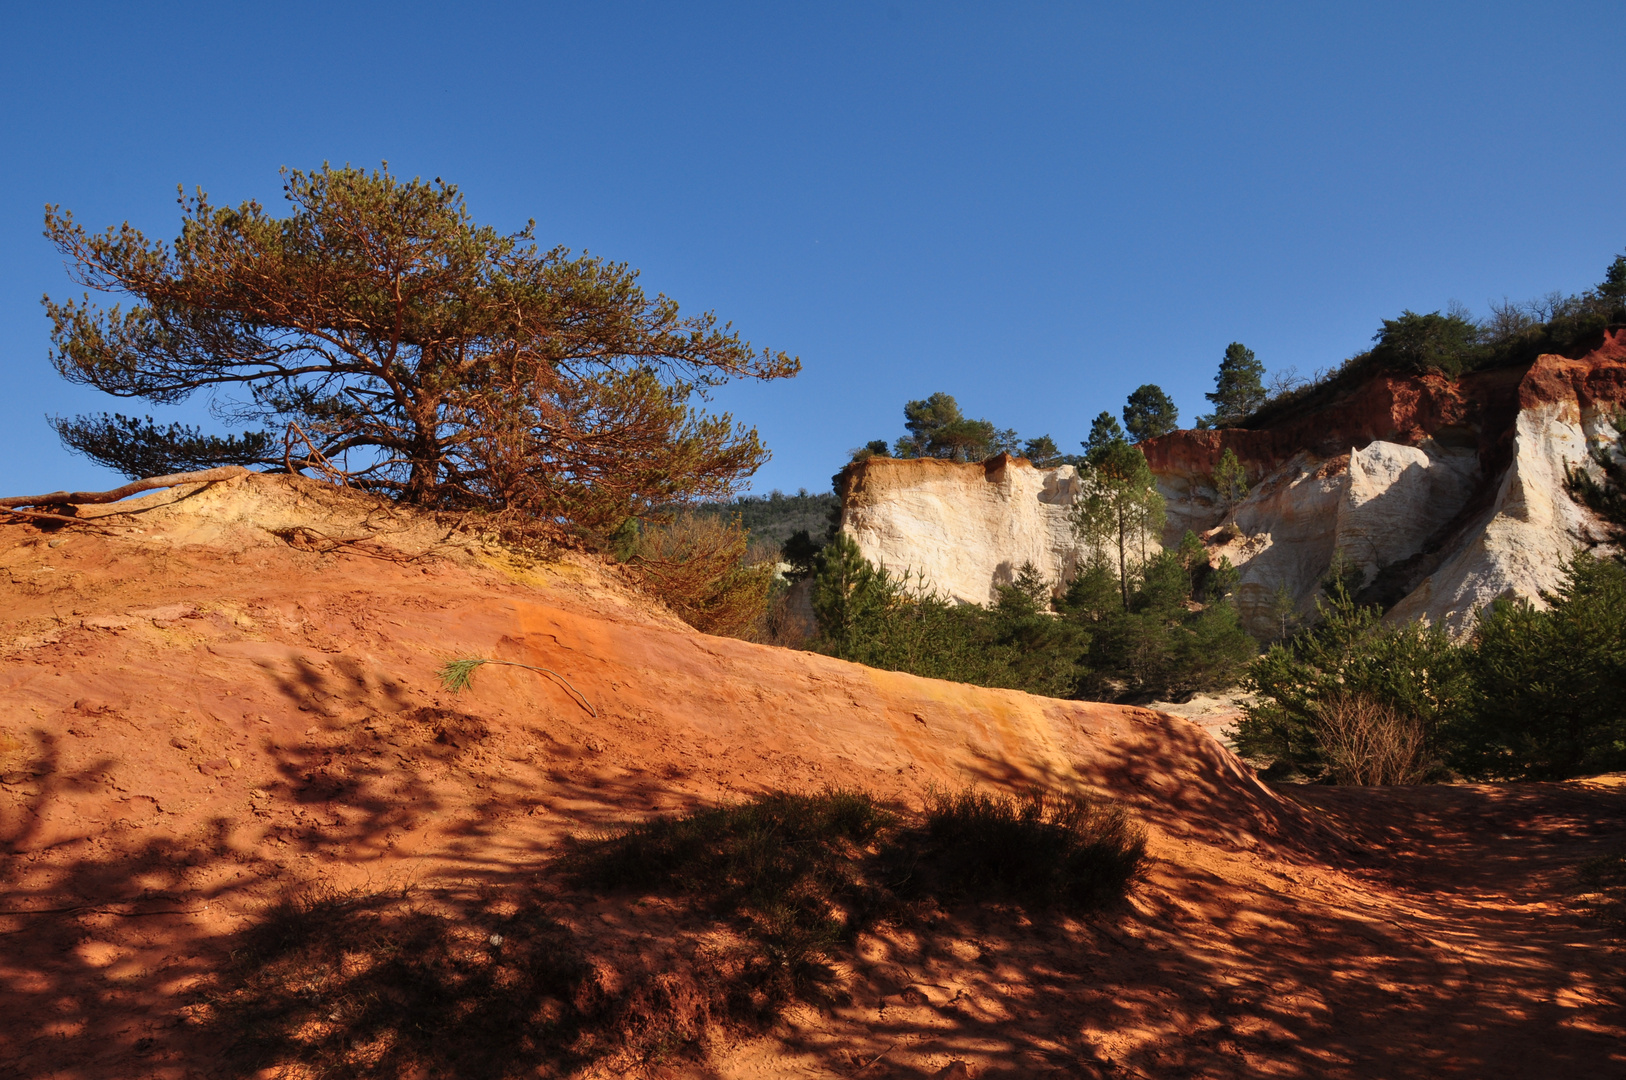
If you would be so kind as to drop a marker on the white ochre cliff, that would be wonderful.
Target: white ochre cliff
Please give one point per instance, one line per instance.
(1444, 495)
(963, 530)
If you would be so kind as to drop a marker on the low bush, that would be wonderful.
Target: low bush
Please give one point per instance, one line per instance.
(703, 569)
(1035, 849)
(354, 985)
(1366, 742)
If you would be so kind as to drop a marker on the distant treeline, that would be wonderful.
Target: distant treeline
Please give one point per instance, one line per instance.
(776, 517)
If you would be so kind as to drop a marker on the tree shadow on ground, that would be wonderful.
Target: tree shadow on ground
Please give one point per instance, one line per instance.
(202, 952)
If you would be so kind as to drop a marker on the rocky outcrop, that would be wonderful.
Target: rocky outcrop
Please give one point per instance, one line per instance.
(964, 529)
(1444, 494)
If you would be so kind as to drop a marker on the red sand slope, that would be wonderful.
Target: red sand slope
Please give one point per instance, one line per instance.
(230, 697)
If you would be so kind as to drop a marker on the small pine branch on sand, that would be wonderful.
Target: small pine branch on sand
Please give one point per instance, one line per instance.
(456, 675)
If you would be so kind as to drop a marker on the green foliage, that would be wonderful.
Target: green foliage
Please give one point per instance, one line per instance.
(1613, 286)
(1091, 644)
(873, 448)
(1105, 434)
(1514, 334)
(868, 616)
(1284, 612)
(1239, 388)
(1550, 686)
(938, 429)
(140, 448)
(385, 339)
(776, 516)
(1536, 694)
(1119, 513)
(1448, 344)
(1042, 452)
(1223, 581)
(1230, 480)
(1414, 670)
(1149, 413)
(1191, 552)
(1158, 643)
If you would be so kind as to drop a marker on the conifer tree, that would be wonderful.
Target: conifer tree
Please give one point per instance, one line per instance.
(1230, 481)
(1149, 413)
(1120, 512)
(383, 338)
(1239, 387)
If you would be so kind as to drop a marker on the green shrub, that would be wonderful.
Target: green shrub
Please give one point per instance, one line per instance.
(868, 616)
(1550, 685)
(1086, 644)
(1411, 671)
(1419, 344)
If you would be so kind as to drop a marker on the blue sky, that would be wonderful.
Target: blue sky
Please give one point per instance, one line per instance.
(1033, 207)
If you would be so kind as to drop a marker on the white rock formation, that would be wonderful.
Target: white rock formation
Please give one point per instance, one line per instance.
(1431, 534)
(964, 529)
(1530, 532)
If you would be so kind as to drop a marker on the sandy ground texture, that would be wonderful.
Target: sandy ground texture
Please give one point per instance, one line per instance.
(228, 698)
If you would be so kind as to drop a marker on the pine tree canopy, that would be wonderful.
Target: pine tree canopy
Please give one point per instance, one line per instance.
(1239, 387)
(1149, 413)
(379, 336)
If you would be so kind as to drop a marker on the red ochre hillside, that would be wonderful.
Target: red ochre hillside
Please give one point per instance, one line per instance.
(217, 699)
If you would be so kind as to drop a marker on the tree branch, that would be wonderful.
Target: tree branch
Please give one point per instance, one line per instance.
(81, 498)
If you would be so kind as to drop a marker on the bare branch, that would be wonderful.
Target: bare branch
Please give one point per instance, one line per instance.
(84, 498)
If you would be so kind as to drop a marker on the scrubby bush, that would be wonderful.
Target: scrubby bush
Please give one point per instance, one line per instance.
(1350, 682)
(703, 569)
(787, 867)
(1449, 344)
(1365, 741)
(1037, 849)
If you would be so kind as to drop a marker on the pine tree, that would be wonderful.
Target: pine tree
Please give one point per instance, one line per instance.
(1149, 413)
(1120, 512)
(1104, 435)
(385, 339)
(1230, 481)
(1239, 388)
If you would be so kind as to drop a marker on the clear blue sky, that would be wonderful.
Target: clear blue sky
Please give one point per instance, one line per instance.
(1034, 207)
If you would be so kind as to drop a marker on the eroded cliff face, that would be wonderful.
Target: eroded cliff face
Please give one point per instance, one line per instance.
(964, 529)
(1444, 494)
